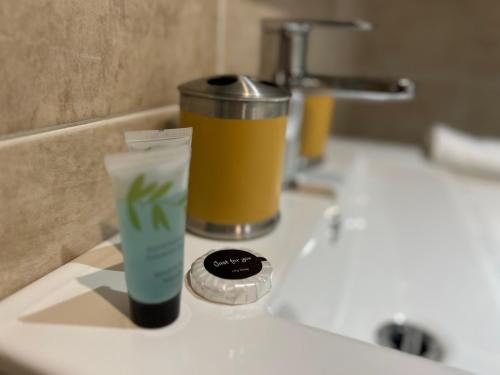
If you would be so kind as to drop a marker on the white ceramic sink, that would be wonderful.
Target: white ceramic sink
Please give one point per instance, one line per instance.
(403, 248)
(406, 252)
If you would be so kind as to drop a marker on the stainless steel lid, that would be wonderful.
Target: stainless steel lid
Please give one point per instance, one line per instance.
(234, 96)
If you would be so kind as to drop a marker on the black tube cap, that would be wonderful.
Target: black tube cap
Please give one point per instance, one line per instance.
(155, 315)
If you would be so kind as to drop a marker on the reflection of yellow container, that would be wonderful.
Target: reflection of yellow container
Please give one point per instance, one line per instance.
(237, 155)
(318, 111)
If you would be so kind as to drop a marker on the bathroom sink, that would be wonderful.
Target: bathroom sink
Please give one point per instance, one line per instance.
(404, 258)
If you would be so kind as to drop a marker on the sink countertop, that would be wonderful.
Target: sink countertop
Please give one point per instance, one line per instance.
(75, 319)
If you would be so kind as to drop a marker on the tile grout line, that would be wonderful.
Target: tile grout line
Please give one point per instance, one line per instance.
(80, 125)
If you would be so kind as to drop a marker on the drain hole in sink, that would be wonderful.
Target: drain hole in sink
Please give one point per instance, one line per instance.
(410, 339)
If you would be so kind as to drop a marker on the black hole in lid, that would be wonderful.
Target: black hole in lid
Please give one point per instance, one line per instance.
(268, 83)
(424, 349)
(222, 80)
(396, 339)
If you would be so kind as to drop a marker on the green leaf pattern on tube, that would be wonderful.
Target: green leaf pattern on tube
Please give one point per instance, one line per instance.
(136, 193)
(152, 224)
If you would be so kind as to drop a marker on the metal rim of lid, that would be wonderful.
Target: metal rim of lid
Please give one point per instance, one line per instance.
(237, 110)
(231, 232)
(235, 88)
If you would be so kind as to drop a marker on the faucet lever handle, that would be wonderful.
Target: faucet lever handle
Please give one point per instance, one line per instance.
(359, 25)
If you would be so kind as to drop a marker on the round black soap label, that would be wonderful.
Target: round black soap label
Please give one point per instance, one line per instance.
(233, 264)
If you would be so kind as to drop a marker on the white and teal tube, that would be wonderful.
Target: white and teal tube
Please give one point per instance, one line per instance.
(150, 189)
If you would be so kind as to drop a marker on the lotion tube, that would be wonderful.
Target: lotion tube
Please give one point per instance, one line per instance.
(150, 189)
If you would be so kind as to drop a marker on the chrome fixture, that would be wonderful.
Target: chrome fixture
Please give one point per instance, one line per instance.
(283, 61)
(362, 88)
(285, 42)
(410, 339)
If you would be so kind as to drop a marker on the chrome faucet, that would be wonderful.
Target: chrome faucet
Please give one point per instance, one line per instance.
(283, 61)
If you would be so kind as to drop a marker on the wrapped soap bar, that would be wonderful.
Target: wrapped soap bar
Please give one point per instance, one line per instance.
(231, 276)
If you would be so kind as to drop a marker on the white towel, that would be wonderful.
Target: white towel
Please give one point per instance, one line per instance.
(464, 153)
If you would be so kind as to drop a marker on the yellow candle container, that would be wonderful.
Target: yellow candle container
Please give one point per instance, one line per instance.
(237, 155)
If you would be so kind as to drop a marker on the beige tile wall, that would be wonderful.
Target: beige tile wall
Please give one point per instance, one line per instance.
(76, 62)
(68, 69)
(70, 60)
(56, 195)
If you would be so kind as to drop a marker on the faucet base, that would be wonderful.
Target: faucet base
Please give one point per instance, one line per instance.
(307, 162)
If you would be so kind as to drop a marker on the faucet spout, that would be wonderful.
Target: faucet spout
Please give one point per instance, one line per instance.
(359, 88)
